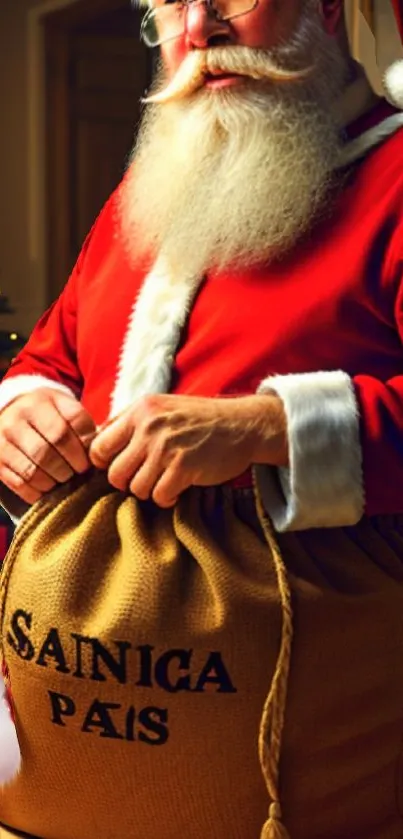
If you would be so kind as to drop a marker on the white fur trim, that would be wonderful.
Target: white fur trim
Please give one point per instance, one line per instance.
(19, 385)
(393, 83)
(359, 147)
(10, 756)
(323, 485)
(158, 316)
(165, 299)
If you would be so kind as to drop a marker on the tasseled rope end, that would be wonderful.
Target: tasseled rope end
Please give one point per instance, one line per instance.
(274, 827)
(272, 722)
(10, 755)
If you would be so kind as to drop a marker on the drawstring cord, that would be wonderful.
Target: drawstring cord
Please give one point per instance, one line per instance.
(272, 721)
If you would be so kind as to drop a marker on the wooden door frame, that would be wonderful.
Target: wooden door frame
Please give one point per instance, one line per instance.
(36, 140)
(368, 11)
(361, 7)
(48, 208)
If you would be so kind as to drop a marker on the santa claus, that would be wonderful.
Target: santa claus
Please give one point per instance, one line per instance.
(237, 304)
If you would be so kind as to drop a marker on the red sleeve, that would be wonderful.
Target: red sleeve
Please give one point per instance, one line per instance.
(381, 432)
(381, 421)
(51, 351)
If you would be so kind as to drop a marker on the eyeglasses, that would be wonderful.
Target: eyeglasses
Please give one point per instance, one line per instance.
(168, 21)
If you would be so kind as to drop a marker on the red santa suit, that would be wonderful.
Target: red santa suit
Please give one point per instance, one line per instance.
(322, 327)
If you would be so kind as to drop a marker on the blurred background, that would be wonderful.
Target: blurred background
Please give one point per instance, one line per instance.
(71, 76)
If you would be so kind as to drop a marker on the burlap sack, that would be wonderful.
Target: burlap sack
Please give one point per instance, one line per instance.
(141, 646)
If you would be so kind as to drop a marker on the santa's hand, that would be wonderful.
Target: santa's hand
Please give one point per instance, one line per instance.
(44, 438)
(165, 443)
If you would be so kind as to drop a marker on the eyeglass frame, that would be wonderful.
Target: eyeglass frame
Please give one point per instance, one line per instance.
(186, 4)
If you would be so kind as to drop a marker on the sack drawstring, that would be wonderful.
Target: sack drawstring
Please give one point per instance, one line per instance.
(272, 721)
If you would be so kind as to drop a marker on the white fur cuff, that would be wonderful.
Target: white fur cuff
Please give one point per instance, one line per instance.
(19, 385)
(323, 485)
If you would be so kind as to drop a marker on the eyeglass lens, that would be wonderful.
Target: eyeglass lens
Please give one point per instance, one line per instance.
(167, 21)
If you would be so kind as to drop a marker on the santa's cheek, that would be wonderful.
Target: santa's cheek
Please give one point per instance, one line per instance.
(173, 53)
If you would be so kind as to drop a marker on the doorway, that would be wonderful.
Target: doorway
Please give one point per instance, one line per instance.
(96, 71)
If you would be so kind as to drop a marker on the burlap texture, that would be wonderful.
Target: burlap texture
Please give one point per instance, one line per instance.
(157, 742)
(95, 570)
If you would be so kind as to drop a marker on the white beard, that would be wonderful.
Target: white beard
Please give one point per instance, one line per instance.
(237, 176)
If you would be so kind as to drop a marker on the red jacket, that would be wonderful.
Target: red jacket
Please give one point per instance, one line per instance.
(334, 304)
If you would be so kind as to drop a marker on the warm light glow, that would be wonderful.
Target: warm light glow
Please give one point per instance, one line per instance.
(13, 336)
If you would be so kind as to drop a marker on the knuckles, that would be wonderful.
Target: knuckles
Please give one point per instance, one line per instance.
(151, 404)
(154, 411)
(17, 485)
(99, 452)
(29, 472)
(57, 434)
(22, 410)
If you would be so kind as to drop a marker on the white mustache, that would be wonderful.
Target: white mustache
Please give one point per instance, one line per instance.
(242, 61)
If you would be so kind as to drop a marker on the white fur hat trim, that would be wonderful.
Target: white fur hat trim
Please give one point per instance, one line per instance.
(10, 756)
(393, 83)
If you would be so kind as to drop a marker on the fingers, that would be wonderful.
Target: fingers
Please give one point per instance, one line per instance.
(137, 468)
(125, 465)
(17, 462)
(140, 460)
(44, 440)
(148, 477)
(110, 442)
(144, 478)
(36, 454)
(58, 451)
(77, 417)
(169, 487)
(18, 485)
